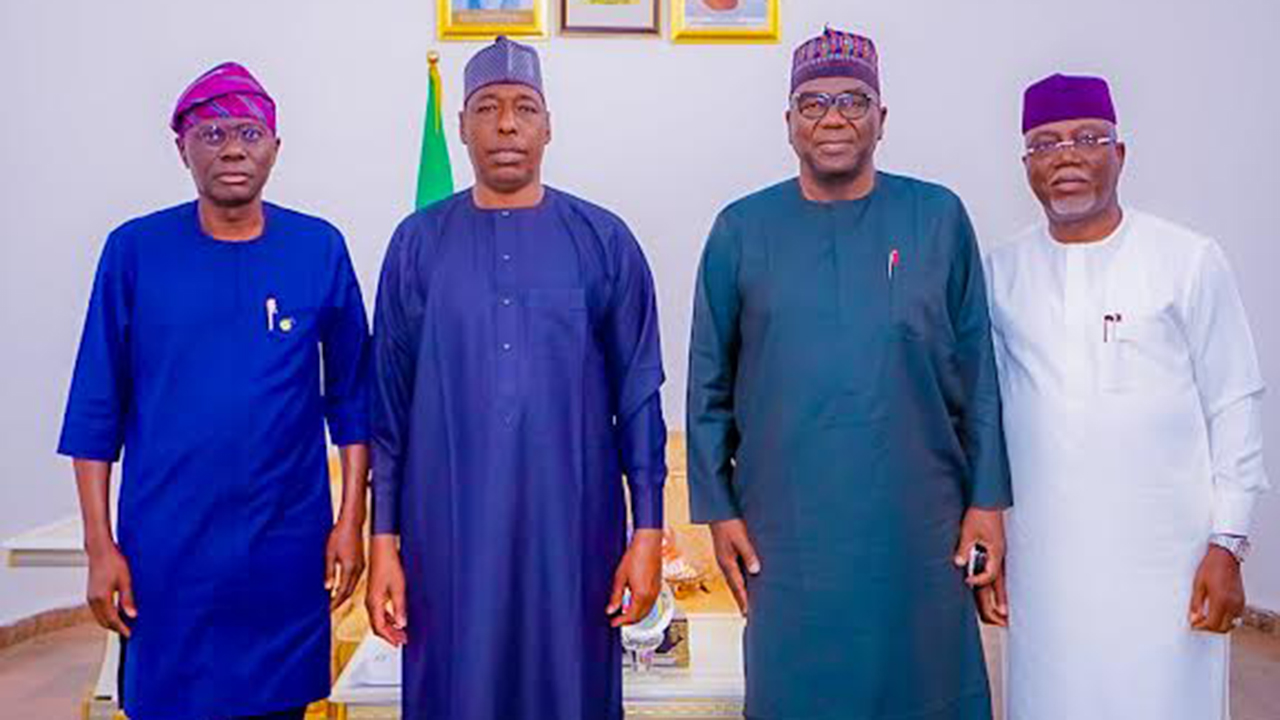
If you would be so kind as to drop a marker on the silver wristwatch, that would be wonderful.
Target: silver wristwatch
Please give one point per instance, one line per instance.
(1237, 545)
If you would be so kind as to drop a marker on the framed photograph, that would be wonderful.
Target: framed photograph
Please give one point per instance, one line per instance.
(610, 17)
(725, 21)
(486, 19)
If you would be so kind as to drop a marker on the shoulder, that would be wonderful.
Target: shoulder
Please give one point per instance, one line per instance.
(309, 232)
(1167, 236)
(1009, 249)
(760, 203)
(1178, 250)
(295, 221)
(424, 223)
(154, 230)
(609, 229)
(605, 222)
(924, 194)
(157, 224)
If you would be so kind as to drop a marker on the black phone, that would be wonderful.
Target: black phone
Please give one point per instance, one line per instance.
(977, 560)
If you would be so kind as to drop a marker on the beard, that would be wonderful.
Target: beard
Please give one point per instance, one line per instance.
(1073, 207)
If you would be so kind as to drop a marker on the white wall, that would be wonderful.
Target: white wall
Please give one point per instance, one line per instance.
(663, 134)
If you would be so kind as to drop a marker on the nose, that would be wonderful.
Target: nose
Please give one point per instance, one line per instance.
(232, 150)
(507, 120)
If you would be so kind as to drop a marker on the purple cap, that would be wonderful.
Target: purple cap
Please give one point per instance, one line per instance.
(504, 61)
(836, 54)
(228, 90)
(1066, 97)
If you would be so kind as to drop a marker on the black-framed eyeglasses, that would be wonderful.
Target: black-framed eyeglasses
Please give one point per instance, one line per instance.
(1086, 143)
(816, 105)
(216, 136)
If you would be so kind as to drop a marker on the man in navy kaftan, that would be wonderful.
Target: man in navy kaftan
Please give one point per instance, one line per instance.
(518, 370)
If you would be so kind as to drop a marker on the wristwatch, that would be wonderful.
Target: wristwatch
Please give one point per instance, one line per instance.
(1237, 545)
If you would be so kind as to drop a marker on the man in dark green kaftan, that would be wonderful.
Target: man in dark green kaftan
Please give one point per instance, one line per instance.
(844, 421)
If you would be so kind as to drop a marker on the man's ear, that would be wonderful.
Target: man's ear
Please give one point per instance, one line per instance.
(182, 152)
(884, 119)
(1122, 151)
(462, 126)
(548, 132)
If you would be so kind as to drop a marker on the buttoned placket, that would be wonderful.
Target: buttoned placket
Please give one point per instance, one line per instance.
(508, 316)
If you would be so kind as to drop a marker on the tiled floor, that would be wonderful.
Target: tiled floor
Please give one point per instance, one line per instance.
(46, 678)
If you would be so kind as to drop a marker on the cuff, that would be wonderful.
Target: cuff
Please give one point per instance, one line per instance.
(348, 426)
(77, 443)
(1232, 512)
(385, 514)
(711, 501)
(646, 502)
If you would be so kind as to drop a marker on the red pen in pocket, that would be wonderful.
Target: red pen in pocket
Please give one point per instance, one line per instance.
(893, 261)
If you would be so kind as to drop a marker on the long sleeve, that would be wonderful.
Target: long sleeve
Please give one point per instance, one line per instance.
(345, 347)
(634, 354)
(713, 358)
(1231, 389)
(395, 351)
(99, 401)
(980, 428)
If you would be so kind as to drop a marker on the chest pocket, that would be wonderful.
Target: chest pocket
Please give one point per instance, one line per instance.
(556, 323)
(284, 324)
(1142, 352)
(918, 307)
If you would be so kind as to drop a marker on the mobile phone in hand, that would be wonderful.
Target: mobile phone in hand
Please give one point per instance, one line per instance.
(977, 560)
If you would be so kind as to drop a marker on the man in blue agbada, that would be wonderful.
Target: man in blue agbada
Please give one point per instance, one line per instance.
(222, 335)
(844, 420)
(517, 380)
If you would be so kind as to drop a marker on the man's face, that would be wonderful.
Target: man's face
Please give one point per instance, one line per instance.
(1076, 183)
(840, 142)
(230, 159)
(506, 128)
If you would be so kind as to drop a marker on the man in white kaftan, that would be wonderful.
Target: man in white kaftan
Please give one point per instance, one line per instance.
(1132, 411)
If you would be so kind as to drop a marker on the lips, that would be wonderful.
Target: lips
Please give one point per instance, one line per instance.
(232, 178)
(508, 157)
(834, 146)
(1070, 183)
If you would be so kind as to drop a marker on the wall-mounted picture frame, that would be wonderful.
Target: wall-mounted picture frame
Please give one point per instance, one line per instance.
(725, 21)
(487, 19)
(611, 17)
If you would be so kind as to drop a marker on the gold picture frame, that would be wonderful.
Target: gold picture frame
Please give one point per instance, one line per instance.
(487, 19)
(640, 18)
(726, 21)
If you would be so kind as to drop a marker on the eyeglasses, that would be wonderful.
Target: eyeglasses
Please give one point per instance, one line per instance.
(216, 136)
(1088, 144)
(815, 106)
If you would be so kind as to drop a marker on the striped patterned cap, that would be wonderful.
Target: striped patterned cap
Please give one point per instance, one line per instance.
(228, 90)
(836, 54)
(504, 61)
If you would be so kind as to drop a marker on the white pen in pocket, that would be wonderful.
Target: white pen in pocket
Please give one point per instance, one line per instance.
(272, 310)
(1111, 326)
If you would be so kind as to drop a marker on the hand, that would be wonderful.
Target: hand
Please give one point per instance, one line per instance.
(1217, 597)
(640, 570)
(734, 552)
(985, 527)
(111, 589)
(993, 603)
(385, 597)
(343, 561)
